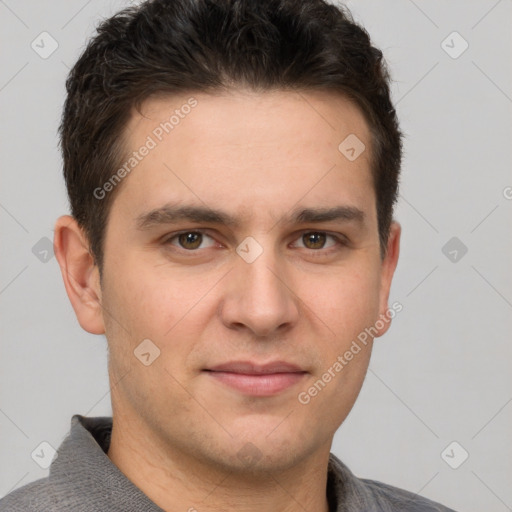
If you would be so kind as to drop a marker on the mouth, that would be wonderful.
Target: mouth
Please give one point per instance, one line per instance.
(257, 380)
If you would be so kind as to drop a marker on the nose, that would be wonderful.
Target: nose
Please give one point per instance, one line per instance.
(258, 298)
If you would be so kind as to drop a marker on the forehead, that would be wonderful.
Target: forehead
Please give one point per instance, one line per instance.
(251, 117)
(245, 151)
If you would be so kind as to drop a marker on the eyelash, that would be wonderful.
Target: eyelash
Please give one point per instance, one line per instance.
(340, 241)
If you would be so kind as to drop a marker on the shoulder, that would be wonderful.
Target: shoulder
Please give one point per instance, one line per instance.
(374, 496)
(42, 495)
(33, 497)
(400, 499)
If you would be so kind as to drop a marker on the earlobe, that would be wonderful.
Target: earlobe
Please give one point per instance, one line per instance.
(80, 273)
(389, 264)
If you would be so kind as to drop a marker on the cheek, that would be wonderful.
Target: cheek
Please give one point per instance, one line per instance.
(157, 302)
(347, 301)
(145, 305)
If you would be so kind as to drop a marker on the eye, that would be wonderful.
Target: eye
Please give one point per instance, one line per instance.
(317, 240)
(190, 240)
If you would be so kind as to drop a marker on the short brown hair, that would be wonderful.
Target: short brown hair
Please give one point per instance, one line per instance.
(181, 46)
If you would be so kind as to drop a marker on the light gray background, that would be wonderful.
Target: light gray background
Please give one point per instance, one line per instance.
(441, 374)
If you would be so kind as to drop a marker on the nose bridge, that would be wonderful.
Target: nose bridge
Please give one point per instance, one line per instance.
(259, 298)
(261, 279)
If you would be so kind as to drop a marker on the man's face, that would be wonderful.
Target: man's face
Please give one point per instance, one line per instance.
(219, 305)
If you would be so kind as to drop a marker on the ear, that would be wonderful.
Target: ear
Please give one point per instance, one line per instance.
(80, 273)
(387, 271)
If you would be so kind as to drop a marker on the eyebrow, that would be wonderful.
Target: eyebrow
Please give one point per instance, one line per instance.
(169, 214)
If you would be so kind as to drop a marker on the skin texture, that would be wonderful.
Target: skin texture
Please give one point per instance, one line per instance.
(178, 433)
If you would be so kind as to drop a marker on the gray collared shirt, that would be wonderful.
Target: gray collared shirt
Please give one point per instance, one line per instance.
(83, 479)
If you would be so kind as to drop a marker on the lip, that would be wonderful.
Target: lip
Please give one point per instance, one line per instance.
(257, 379)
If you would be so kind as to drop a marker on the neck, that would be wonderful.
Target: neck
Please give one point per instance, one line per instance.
(174, 480)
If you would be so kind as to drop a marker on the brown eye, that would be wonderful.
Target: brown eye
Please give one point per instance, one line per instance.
(190, 240)
(314, 240)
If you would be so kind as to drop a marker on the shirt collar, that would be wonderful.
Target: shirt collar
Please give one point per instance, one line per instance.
(82, 460)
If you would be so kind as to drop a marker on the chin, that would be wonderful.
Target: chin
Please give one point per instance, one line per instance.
(256, 462)
(268, 449)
